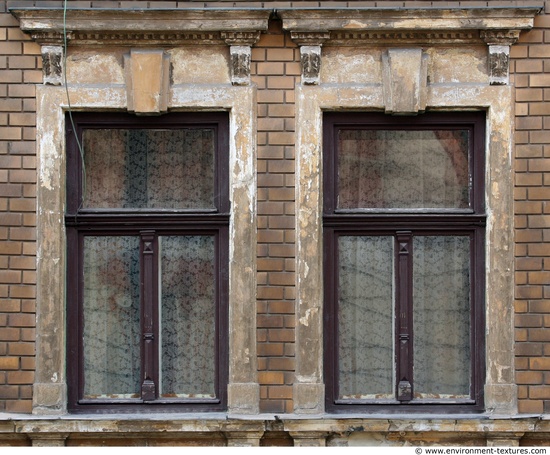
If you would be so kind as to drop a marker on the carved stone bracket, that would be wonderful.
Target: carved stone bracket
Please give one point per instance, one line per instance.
(499, 42)
(240, 50)
(310, 54)
(52, 65)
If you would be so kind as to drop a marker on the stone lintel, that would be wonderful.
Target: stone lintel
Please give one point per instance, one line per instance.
(405, 80)
(309, 398)
(147, 81)
(243, 398)
(52, 64)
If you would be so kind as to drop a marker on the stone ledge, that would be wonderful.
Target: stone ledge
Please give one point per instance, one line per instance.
(222, 429)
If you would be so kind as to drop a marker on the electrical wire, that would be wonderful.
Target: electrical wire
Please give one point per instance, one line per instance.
(69, 108)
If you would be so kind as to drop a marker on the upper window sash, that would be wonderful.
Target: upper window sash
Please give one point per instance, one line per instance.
(432, 163)
(122, 163)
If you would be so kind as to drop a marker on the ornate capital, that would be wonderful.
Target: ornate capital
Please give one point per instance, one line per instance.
(240, 38)
(499, 37)
(310, 53)
(302, 38)
(239, 48)
(51, 38)
(499, 42)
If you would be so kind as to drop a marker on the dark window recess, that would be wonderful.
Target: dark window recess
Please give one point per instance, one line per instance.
(404, 233)
(147, 265)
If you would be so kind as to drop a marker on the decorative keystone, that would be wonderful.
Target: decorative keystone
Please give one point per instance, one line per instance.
(405, 74)
(499, 42)
(147, 81)
(310, 54)
(240, 44)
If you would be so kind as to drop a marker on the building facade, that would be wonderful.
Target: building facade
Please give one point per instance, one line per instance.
(274, 223)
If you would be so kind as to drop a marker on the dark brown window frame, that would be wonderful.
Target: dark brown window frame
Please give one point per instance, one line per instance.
(148, 224)
(403, 225)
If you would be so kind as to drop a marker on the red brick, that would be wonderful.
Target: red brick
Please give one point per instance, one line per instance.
(22, 406)
(530, 406)
(271, 377)
(9, 363)
(281, 335)
(281, 364)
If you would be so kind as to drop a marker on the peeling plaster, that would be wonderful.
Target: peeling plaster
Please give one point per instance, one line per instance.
(310, 312)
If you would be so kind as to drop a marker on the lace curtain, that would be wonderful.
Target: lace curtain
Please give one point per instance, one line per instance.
(112, 332)
(403, 169)
(159, 169)
(187, 316)
(365, 318)
(441, 317)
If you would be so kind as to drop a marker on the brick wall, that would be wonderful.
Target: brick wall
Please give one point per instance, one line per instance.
(531, 67)
(275, 70)
(20, 65)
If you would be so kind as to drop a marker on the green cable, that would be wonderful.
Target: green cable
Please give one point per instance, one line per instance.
(80, 148)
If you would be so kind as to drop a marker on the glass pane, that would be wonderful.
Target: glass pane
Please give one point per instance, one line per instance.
(403, 169)
(441, 316)
(147, 168)
(365, 317)
(188, 315)
(111, 317)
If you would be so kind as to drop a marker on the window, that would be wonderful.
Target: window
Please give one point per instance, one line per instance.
(147, 222)
(404, 224)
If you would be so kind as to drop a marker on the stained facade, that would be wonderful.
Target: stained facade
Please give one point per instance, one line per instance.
(360, 261)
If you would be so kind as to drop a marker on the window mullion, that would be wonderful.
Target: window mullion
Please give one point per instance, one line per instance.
(404, 315)
(148, 308)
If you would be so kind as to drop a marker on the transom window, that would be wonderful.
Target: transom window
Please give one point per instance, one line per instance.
(404, 227)
(147, 236)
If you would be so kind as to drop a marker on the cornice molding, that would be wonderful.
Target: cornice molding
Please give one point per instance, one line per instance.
(235, 26)
(407, 19)
(143, 27)
(416, 37)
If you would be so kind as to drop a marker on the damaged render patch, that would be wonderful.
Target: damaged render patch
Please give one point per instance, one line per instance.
(309, 313)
